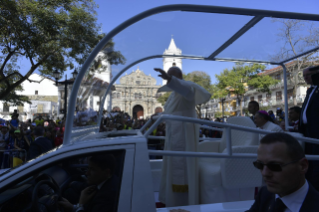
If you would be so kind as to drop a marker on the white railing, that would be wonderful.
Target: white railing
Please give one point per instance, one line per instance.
(159, 119)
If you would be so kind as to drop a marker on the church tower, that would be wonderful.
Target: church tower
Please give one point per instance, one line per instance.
(171, 61)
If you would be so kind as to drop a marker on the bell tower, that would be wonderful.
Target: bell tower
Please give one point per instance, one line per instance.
(171, 61)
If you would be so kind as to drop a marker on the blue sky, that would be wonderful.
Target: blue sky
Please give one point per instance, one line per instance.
(112, 13)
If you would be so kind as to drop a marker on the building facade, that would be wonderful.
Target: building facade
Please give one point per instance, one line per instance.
(136, 94)
(267, 101)
(43, 96)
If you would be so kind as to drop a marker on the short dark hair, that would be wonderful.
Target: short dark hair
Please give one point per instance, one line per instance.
(294, 149)
(256, 104)
(296, 109)
(38, 131)
(104, 161)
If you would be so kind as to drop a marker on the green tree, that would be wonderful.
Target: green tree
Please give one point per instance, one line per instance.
(218, 93)
(13, 98)
(202, 79)
(236, 81)
(163, 98)
(198, 77)
(50, 34)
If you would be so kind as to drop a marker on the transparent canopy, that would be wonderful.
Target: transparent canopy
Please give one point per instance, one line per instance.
(203, 32)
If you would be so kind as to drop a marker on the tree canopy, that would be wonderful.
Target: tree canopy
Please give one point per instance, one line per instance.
(51, 35)
(294, 37)
(237, 80)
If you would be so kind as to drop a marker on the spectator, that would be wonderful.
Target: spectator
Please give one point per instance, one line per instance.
(294, 115)
(21, 142)
(40, 144)
(283, 166)
(14, 122)
(253, 108)
(280, 115)
(4, 134)
(272, 115)
(7, 163)
(263, 121)
(59, 138)
(39, 121)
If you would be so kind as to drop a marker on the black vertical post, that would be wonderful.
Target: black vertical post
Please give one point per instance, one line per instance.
(65, 95)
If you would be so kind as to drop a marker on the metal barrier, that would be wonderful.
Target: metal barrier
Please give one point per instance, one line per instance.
(160, 118)
(9, 158)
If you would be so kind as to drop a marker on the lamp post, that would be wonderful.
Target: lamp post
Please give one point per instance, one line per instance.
(56, 75)
(206, 107)
(223, 101)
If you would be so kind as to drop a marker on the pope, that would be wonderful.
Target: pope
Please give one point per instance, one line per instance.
(179, 180)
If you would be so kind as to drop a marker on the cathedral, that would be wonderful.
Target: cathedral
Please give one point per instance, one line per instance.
(137, 93)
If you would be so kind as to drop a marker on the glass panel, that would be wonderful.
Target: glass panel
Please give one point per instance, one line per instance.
(154, 35)
(66, 178)
(210, 177)
(269, 40)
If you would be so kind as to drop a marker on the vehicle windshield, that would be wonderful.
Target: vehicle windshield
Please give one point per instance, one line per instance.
(149, 38)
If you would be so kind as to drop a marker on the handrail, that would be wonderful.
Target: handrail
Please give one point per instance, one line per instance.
(164, 117)
(212, 155)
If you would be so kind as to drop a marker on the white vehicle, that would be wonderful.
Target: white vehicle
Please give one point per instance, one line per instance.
(38, 184)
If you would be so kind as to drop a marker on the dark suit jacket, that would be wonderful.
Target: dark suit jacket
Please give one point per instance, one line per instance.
(106, 199)
(38, 147)
(312, 114)
(311, 130)
(265, 201)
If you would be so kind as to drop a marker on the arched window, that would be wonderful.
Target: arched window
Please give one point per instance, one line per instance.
(140, 95)
(135, 95)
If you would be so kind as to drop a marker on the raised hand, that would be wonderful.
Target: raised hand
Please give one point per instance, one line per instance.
(163, 74)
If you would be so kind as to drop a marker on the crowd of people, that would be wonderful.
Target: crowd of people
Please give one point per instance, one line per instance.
(18, 139)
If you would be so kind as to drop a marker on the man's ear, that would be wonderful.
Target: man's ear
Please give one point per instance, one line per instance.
(303, 164)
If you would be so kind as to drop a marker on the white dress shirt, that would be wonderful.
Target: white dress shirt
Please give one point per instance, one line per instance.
(294, 200)
(304, 115)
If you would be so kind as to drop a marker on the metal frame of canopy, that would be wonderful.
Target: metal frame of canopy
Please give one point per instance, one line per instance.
(257, 15)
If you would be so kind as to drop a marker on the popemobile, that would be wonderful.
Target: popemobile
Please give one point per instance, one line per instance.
(227, 178)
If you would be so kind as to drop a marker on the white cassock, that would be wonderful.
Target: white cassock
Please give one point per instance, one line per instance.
(269, 126)
(179, 182)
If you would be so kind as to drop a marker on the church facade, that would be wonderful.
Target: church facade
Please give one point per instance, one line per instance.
(137, 93)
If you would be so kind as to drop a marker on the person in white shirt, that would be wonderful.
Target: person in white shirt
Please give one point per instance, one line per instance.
(282, 163)
(265, 122)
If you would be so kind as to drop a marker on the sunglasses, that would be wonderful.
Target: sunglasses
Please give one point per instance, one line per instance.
(276, 167)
